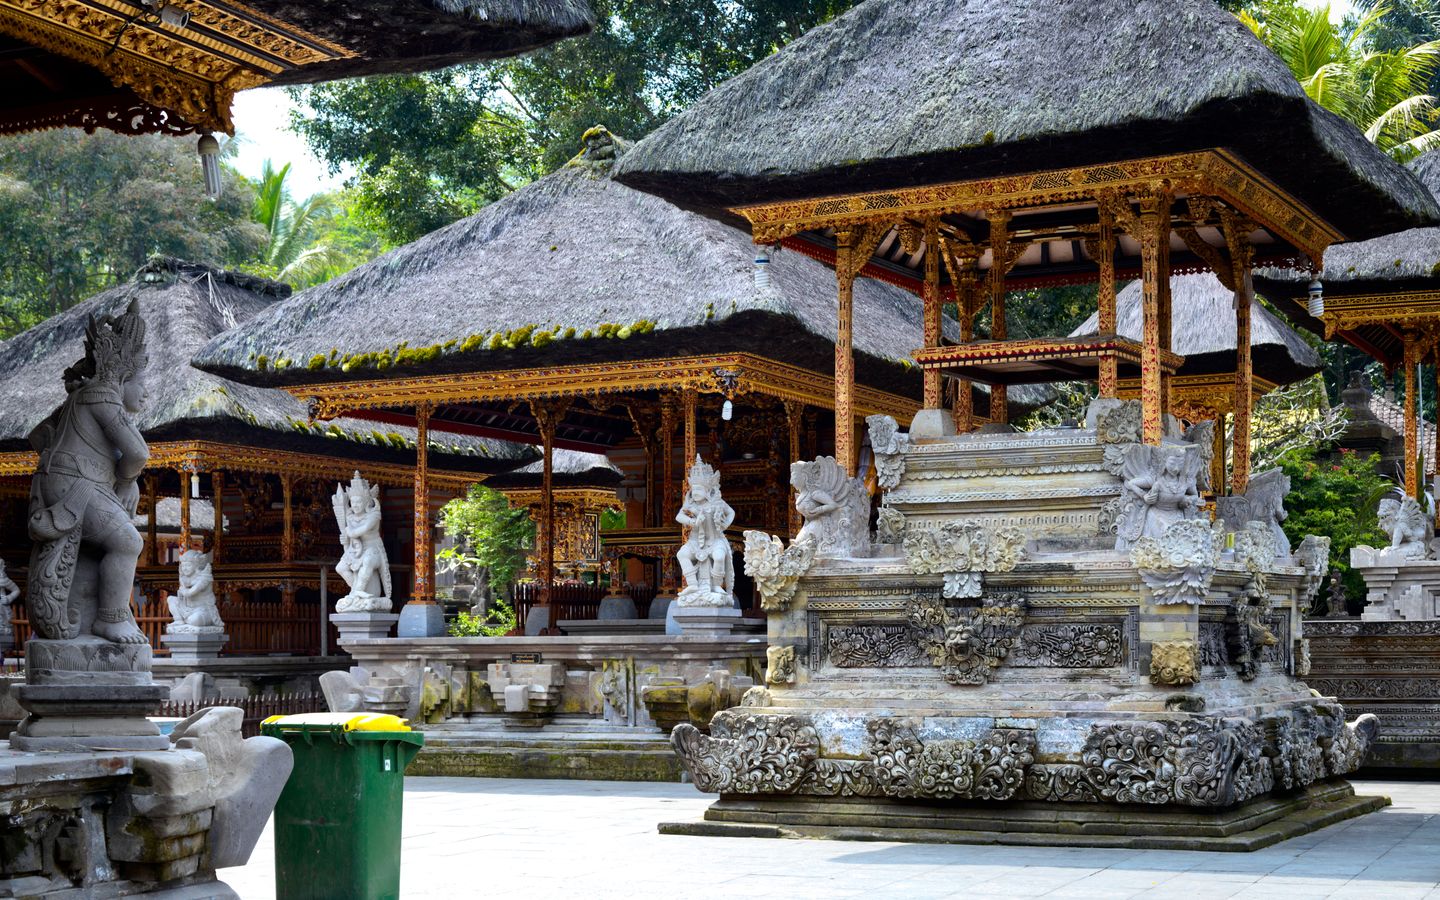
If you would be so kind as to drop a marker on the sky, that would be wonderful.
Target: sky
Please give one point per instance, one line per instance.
(262, 122)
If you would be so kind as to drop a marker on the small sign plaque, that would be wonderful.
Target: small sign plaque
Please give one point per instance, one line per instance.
(526, 657)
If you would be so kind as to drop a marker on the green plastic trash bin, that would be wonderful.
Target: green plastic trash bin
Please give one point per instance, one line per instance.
(337, 823)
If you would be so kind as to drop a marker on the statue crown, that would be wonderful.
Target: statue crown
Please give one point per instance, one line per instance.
(114, 345)
(704, 475)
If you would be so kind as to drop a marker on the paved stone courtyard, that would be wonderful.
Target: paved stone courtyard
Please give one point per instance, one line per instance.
(487, 838)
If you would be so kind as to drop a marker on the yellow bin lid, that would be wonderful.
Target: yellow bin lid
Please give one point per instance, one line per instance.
(352, 721)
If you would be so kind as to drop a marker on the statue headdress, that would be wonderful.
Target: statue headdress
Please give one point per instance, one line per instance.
(114, 348)
(362, 488)
(704, 475)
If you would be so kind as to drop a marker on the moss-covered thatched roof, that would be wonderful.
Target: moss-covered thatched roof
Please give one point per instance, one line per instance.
(1203, 331)
(570, 468)
(184, 305)
(415, 35)
(899, 93)
(572, 269)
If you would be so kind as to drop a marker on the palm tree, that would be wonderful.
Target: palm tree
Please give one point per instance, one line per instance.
(291, 252)
(1384, 92)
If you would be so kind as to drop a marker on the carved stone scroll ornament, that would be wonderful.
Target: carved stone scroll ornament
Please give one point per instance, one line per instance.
(1174, 663)
(1118, 421)
(747, 753)
(889, 526)
(992, 768)
(1177, 568)
(889, 444)
(968, 644)
(835, 507)
(962, 552)
(780, 665)
(1255, 549)
(776, 568)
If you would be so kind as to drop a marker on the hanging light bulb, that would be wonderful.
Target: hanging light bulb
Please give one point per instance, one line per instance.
(727, 411)
(194, 486)
(762, 271)
(1316, 304)
(210, 164)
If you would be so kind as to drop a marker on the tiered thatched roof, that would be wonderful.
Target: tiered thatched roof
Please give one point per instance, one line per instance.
(900, 93)
(184, 305)
(572, 269)
(1203, 331)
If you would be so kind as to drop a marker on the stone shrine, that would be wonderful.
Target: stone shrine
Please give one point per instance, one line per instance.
(1048, 636)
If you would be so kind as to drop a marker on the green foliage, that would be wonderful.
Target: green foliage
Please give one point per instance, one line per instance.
(612, 519)
(312, 240)
(498, 622)
(432, 148)
(80, 213)
(490, 539)
(1336, 499)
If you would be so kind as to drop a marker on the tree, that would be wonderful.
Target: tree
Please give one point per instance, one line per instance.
(80, 213)
(1337, 499)
(429, 149)
(1383, 92)
(491, 538)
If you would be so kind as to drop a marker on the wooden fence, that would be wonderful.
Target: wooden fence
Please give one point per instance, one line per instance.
(257, 709)
(256, 627)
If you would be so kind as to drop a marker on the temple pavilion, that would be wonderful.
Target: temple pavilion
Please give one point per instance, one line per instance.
(153, 66)
(580, 314)
(246, 459)
(1189, 148)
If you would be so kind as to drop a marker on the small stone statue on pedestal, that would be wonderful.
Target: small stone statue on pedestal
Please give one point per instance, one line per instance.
(9, 593)
(1410, 530)
(364, 564)
(706, 563)
(196, 631)
(88, 678)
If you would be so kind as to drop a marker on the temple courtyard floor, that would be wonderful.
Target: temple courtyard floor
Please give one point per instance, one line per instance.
(482, 837)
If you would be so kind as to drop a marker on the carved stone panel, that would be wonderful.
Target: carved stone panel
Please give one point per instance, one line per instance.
(1068, 646)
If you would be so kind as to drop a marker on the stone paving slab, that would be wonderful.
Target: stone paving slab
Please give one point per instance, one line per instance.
(481, 837)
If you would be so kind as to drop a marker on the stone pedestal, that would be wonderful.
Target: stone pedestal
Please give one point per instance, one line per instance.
(363, 626)
(421, 620)
(932, 423)
(537, 621)
(88, 694)
(193, 647)
(617, 606)
(1397, 589)
(660, 606)
(707, 621)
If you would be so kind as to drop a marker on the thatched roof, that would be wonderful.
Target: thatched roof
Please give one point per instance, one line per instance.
(899, 93)
(167, 516)
(184, 305)
(1203, 331)
(417, 35)
(569, 468)
(574, 268)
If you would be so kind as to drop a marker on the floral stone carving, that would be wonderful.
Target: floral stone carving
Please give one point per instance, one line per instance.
(364, 564)
(889, 526)
(706, 563)
(747, 753)
(968, 644)
(192, 608)
(1174, 663)
(780, 665)
(776, 568)
(1177, 567)
(962, 552)
(992, 768)
(835, 507)
(889, 444)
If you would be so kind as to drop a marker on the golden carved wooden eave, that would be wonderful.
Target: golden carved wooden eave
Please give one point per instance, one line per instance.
(582, 498)
(755, 375)
(193, 72)
(1196, 397)
(1403, 310)
(1216, 174)
(205, 456)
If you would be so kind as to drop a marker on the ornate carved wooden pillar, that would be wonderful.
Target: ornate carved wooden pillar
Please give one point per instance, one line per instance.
(962, 263)
(933, 302)
(1000, 252)
(1154, 230)
(1413, 479)
(423, 578)
(152, 501)
(548, 414)
(794, 411)
(1166, 338)
(1104, 253)
(287, 536)
(1217, 456)
(1242, 255)
(845, 268)
(184, 510)
(217, 489)
(669, 413)
(689, 399)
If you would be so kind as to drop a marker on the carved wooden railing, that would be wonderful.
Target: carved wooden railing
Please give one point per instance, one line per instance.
(257, 708)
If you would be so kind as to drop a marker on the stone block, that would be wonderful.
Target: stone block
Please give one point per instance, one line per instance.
(193, 647)
(363, 626)
(421, 620)
(617, 607)
(932, 423)
(706, 621)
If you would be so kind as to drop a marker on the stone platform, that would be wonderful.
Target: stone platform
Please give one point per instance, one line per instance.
(568, 747)
(1247, 827)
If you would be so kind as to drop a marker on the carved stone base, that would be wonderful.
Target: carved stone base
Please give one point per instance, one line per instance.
(86, 660)
(707, 621)
(193, 647)
(82, 717)
(421, 620)
(1250, 826)
(363, 626)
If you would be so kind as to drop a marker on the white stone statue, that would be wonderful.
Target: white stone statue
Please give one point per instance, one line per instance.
(193, 608)
(9, 593)
(1159, 491)
(363, 565)
(1407, 525)
(836, 508)
(706, 562)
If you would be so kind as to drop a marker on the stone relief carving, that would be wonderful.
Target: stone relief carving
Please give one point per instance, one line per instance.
(1302, 657)
(1255, 549)
(1202, 435)
(1177, 567)
(889, 444)
(1068, 646)
(9, 593)
(1108, 523)
(1313, 555)
(84, 492)
(898, 645)
(1213, 650)
(1262, 502)
(962, 552)
(192, 608)
(1247, 639)
(614, 684)
(889, 526)
(989, 769)
(1159, 491)
(364, 564)
(835, 507)
(1174, 663)
(1410, 530)
(706, 563)
(969, 643)
(1118, 421)
(874, 646)
(747, 753)
(780, 665)
(776, 568)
